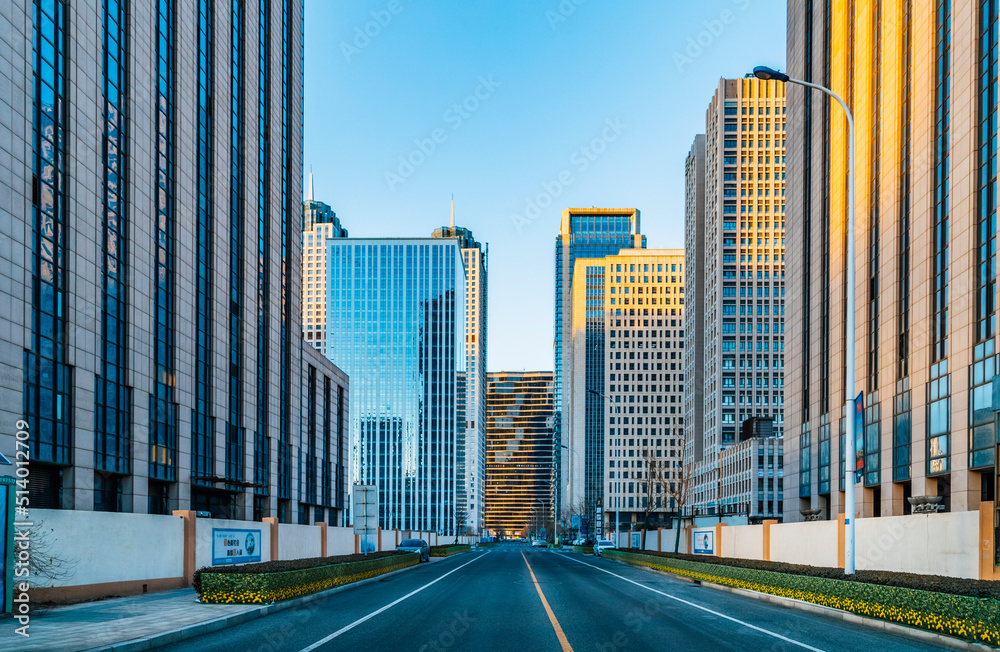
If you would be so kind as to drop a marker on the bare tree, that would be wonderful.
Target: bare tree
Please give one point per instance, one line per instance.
(675, 482)
(582, 510)
(653, 470)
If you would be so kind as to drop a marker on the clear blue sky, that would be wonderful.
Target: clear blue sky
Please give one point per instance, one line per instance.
(551, 77)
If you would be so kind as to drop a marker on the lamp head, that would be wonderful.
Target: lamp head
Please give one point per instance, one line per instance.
(765, 73)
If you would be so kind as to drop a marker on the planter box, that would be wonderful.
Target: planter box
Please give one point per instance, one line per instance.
(448, 551)
(973, 619)
(265, 588)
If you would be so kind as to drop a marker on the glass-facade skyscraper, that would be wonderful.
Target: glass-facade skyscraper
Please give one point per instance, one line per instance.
(583, 233)
(395, 324)
(152, 341)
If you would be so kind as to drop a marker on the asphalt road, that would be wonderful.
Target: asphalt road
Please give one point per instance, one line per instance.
(493, 600)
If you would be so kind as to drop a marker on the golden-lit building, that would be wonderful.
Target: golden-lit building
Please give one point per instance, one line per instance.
(519, 450)
(735, 230)
(643, 377)
(921, 80)
(319, 223)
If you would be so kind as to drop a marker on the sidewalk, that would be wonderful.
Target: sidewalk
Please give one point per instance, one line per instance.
(140, 622)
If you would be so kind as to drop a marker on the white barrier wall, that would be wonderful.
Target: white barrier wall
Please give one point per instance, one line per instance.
(339, 541)
(389, 540)
(203, 537)
(668, 540)
(743, 541)
(299, 541)
(105, 547)
(929, 544)
(811, 543)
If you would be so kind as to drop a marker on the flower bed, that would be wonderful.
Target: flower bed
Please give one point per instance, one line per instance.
(269, 582)
(447, 551)
(971, 618)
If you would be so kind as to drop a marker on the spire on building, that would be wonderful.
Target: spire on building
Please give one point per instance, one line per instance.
(311, 197)
(453, 211)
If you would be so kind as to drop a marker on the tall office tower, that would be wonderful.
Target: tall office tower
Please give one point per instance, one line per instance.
(583, 233)
(520, 450)
(694, 313)
(396, 316)
(641, 315)
(472, 437)
(740, 307)
(921, 79)
(319, 223)
(152, 339)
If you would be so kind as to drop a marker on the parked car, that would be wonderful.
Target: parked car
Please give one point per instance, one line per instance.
(601, 546)
(416, 545)
(538, 543)
(579, 541)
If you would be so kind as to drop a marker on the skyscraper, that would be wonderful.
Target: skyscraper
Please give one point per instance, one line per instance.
(921, 80)
(396, 316)
(739, 307)
(583, 233)
(643, 373)
(152, 343)
(472, 434)
(319, 222)
(519, 450)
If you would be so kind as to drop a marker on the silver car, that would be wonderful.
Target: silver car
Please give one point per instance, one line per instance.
(601, 546)
(416, 545)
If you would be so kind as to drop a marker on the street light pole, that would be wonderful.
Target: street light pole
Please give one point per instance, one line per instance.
(618, 472)
(543, 518)
(762, 72)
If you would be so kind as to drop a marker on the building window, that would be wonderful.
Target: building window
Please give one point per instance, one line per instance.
(872, 441)
(901, 432)
(47, 374)
(938, 419)
(202, 422)
(112, 446)
(942, 134)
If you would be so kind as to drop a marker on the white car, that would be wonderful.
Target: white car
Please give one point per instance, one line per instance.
(538, 543)
(601, 546)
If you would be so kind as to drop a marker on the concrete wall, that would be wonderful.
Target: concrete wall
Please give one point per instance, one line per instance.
(389, 539)
(929, 544)
(298, 541)
(103, 547)
(743, 541)
(811, 543)
(203, 537)
(340, 541)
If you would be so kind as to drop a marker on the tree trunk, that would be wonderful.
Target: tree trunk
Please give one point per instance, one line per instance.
(677, 539)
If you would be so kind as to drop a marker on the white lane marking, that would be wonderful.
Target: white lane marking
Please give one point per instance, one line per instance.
(363, 619)
(698, 606)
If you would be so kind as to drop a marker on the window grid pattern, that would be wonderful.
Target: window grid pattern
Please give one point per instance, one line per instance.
(163, 409)
(987, 203)
(47, 381)
(113, 397)
(901, 432)
(285, 417)
(939, 347)
(235, 443)
(905, 193)
(262, 439)
(203, 431)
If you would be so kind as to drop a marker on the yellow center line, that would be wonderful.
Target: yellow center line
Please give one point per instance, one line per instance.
(563, 641)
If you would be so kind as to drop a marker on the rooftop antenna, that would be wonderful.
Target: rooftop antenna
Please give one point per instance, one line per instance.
(453, 212)
(311, 198)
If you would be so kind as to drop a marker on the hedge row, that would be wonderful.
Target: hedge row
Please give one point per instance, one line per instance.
(447, 551)
(936, 583)
(587, 550)
(974, 619)
(235, 584)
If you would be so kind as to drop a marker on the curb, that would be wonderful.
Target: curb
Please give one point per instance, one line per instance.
(801, 605)
(222, 622)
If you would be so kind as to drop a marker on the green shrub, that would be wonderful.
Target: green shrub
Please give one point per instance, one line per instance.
(971, 618)
(936, 583)
(446, 551)
(275, 581)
